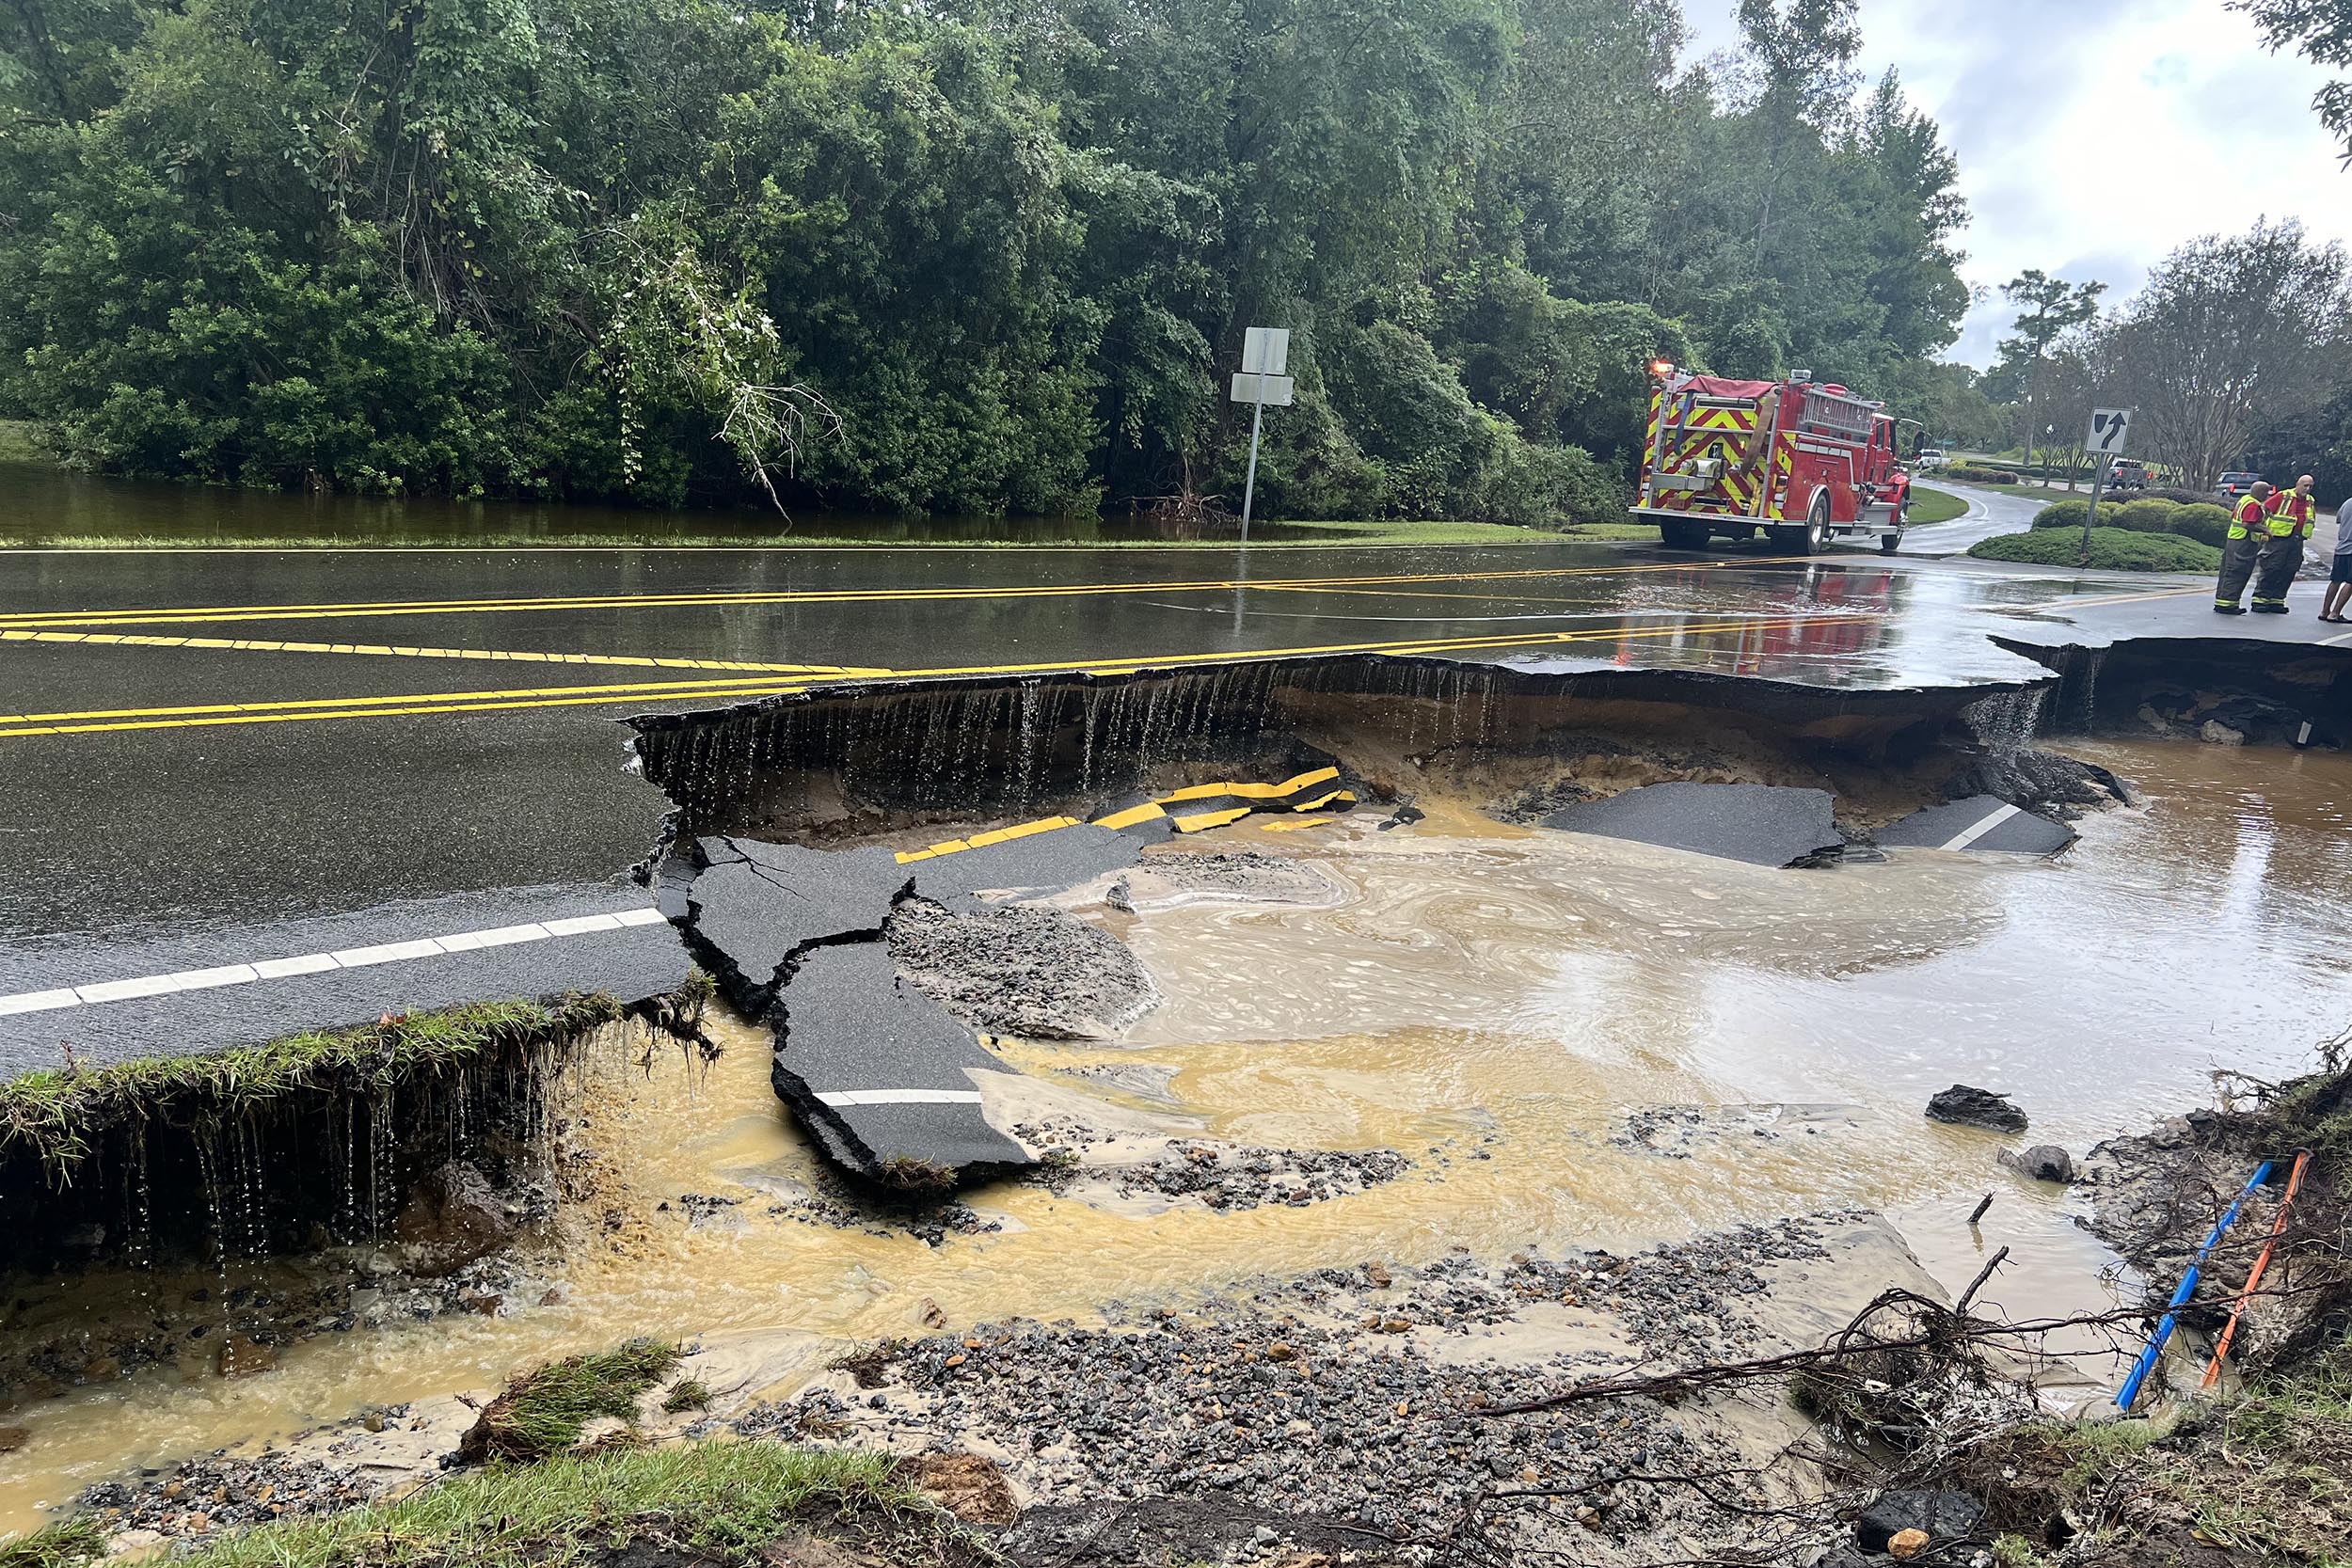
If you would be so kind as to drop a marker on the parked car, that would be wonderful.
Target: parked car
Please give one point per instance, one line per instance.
(2235, 484)
(1926, 458)
(2129, 473)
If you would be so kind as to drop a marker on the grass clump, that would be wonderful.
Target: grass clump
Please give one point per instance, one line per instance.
(54, 1111)
(719, 1502)
(543, 1413)
(64, 1544)
(692, 1393)
(2112, 549)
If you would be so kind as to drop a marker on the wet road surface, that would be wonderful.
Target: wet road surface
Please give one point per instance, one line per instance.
(225, 745)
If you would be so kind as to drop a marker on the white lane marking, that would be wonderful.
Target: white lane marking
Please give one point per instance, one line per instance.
(580, 924)
(843, 1099)
(498, 936)
(308, 963)
(37, 1001)
(387, 952)
(1978, 829)
(317, 963)
(226, 975)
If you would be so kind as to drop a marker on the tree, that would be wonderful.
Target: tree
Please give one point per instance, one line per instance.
(2227, 332)
(2048, 308)
(1803, 54)
(2322, 29)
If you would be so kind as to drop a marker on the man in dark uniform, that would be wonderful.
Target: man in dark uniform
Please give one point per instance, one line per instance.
(2291, 515)
(2250, 524)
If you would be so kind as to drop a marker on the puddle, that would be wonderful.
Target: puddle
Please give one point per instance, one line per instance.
(1493, 1003)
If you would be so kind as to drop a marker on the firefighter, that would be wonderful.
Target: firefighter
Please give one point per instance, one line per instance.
(2248, 526)
(2287, 526)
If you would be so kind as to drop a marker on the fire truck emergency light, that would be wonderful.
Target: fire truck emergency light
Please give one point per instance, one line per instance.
(1661, 367)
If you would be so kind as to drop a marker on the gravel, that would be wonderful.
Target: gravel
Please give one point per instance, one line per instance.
(1348, 1394)
(1017, 969)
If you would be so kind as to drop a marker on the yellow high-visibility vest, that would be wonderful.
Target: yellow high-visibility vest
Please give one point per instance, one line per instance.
(2249, 513)
(2288, 512)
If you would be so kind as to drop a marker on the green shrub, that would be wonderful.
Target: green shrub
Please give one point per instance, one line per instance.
(2140, 517)
(2061, 514)
(2112, 549)
(2178, 497)
(2205, 522)
(1973, 473)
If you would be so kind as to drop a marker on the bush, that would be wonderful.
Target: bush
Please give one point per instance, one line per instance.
(2205, 522)
(1971, 474)
(2062, 514)
(2141, 516)
(2178, 497)
(2112, 549)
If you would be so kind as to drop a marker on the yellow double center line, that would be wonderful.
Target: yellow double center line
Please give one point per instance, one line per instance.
(206, 614)
(388, 650)
(305, 709)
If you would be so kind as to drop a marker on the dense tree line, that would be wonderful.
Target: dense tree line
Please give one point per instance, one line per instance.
(975, 255)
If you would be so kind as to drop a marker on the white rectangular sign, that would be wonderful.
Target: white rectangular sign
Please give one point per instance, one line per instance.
(1267, 351)
(2108, 428)
(1272, 390)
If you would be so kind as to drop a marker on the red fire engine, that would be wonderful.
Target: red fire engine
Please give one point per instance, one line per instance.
(1799, 462)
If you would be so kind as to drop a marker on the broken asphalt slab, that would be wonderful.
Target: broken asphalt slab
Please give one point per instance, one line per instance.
(1760, 824)
(1980, 822)
(877, 1070)
(882, 1070)
(753, 905)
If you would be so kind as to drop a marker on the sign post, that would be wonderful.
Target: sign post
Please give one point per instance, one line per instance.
(2109, 427)
(1265, 354)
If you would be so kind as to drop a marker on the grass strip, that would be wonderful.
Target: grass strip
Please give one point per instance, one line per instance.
(52, 1111)
(1930, 505)
(1289, 535)
(724, 1501)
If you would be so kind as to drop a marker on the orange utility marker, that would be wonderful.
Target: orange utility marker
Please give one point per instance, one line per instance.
(2237, 1307)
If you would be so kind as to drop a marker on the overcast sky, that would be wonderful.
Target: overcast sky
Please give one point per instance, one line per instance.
(2094, 136)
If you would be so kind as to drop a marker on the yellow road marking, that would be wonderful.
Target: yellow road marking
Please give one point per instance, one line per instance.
(2129, 599)
(294, 716)
(410, 701)
(366, 608)
(265, 645)
(563, 696)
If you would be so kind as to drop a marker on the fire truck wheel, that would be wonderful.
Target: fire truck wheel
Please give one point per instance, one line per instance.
(1817, 534)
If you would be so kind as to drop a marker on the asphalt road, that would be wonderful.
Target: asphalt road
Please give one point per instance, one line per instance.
(214, 753)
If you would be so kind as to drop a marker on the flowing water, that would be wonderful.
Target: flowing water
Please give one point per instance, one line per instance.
(1493, 1003)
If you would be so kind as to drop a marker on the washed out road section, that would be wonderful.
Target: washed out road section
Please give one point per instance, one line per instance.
(424, 787)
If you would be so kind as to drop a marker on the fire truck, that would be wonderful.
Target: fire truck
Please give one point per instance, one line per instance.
(1799, 462)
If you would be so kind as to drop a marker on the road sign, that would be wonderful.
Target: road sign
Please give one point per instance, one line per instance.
(1265, 354)
(1265, 351)
(1272, 390)
(2108, 429)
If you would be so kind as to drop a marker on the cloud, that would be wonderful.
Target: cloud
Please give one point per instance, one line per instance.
(2095, 137)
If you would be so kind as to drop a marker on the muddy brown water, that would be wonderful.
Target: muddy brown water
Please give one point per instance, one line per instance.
(1492, 1001)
